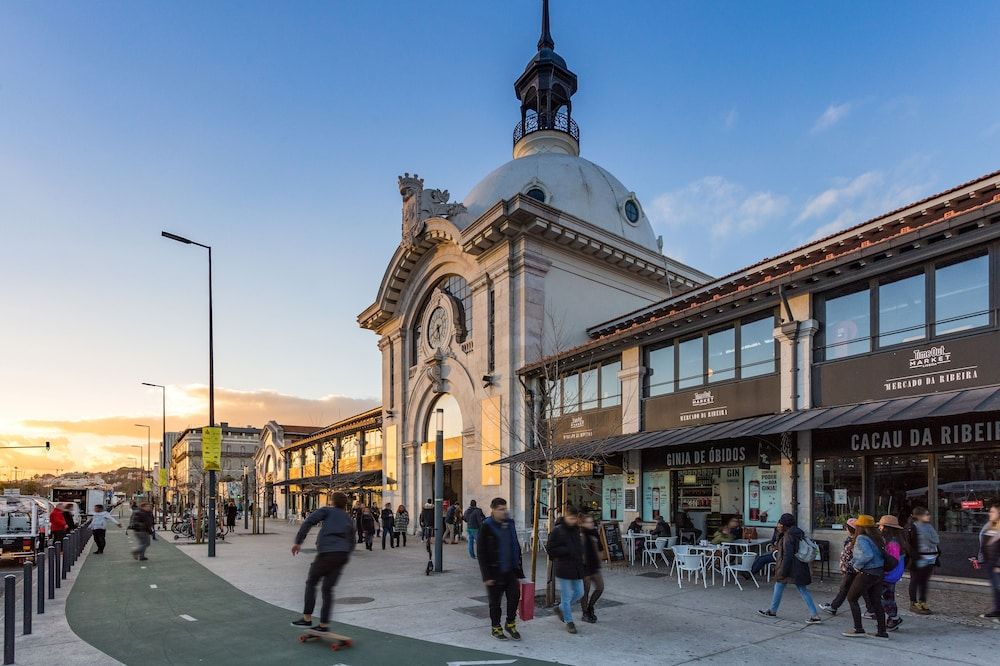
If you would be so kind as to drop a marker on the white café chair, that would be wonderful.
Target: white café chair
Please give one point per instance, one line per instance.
(678, 549)
(654, 549)
(737, 563)
(691, 562)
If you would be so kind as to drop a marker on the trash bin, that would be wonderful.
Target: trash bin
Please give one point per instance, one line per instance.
(526, 607)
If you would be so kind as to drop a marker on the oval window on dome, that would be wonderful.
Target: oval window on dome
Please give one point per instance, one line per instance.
(536, 193)
(632, 211)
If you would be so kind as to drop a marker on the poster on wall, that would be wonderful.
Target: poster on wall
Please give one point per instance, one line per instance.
(763, 497)
(730, 490)
(613, 497)
(655, 494)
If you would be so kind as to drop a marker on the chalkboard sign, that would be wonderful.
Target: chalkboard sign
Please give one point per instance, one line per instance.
(611, 541)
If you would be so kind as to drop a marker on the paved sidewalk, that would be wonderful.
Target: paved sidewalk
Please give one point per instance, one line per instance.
(170, 610)
(644, 618)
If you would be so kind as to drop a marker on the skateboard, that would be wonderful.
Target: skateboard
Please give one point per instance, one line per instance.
(336, 640)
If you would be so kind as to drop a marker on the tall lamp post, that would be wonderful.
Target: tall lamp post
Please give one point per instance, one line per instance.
(438, 488)
(142, 467)
(163, 453)
(211, 387)
(148, 460)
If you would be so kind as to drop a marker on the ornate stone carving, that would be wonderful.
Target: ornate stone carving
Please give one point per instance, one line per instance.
(434, 371)
(421, 204)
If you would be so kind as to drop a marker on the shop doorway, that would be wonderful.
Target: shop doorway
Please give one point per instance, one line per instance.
(897, 485)
(967, 484)
(710, 496)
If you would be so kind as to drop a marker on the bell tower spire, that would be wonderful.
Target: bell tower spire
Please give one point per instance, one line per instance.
(545, 89)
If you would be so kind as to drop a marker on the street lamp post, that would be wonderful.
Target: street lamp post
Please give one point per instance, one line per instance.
(142, 468)
(163, 453)
(211, 387)
(246, 497)
(438, 489)
(148, 460)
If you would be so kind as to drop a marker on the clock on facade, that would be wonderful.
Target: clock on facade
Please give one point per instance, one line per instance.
(437, 327)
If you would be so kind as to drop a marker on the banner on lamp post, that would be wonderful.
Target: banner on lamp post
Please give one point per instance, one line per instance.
(211, 448)
(163, 478)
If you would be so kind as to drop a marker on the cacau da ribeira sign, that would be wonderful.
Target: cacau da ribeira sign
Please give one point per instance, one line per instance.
(922, 436)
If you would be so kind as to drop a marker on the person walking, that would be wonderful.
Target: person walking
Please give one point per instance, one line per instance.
(925, 544)
(334, 545)
(99, 525)
(449, 524)
(427, 521)
(356, 513)
(67, 511)
(895, 545)
(990, 558)
(473, 522)
(847, 573)
(500, 566)
(592, 578)
(761, 562)
(388, 525)
(231, 517)
(368, 526)
(869, 562)
(790, 569)
(459, 518)
(401, 522)
(565, 549)
(57, 524)
(142, 525)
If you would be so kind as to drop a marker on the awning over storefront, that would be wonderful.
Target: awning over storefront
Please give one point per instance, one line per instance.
(985, 399)
(348, 481)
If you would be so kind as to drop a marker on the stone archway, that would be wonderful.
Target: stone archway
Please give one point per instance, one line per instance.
(452, 429)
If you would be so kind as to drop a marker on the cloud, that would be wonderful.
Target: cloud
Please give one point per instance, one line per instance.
(830, 198)
(725, 207)
(833, 115)
(108, 442)
(730, 119)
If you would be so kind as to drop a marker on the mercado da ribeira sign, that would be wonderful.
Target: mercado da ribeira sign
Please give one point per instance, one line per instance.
(917, 370)
(714, 403)
(587, 425)
(966, 432)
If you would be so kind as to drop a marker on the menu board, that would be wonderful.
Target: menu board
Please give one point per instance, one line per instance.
(763, 497)
(655, 495)
(543, 499)
(611, 541)
(612, 497)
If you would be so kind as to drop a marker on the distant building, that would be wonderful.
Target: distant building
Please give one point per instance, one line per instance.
(269, 461)
(238, 448)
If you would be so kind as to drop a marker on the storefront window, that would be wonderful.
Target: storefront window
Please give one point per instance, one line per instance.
(967, 484)
(373, 442)
(757, 348)
(899, 484)
(722, 355)
(611, 385)
(555, 398)
(837, 490)
(309, 460)
(613, 505)
(589, 388)
(661, 371)
(691, 363)
(901, 310)
(571, 393)
(848, 324)
(655, 495)
(962, 295)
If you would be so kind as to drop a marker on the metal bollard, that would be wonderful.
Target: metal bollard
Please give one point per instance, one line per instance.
(58, 568)
(50, 554)
(65, 557)
(9, 583)
(40, 563)
(26, 592)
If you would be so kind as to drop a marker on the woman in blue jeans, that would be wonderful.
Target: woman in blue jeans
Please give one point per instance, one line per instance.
(788, 569)
(565, 549)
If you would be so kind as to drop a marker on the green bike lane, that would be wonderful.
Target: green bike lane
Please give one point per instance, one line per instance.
(172, 610)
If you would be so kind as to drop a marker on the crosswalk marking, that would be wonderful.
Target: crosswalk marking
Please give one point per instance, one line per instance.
(189, 618)
(153, 586)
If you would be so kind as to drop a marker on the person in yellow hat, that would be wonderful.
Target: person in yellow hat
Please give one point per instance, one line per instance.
(895, 545)
(869, 562)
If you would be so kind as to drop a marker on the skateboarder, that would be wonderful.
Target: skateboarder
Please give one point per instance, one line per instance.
(334, 543)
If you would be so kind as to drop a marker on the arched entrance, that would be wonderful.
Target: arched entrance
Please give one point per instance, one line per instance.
(452, 428)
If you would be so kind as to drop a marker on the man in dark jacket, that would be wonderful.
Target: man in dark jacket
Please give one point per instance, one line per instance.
(500, 565)
(788, 569)
(427, 520)
(334, 544)
(565, 548)
(473, 521)
(388, 524)
(142, 526)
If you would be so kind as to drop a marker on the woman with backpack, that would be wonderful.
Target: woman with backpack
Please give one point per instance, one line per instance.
(895, 545)
(925, 544)
(847, 572)
(792, 566)
(869, 561)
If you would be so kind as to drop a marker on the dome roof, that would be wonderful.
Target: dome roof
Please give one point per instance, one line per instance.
(573, 185)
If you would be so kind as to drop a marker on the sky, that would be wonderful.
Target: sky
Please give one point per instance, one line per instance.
(275, 133)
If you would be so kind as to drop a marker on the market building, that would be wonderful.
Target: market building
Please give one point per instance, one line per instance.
(344, 456)
(187, 476)
(269, 461)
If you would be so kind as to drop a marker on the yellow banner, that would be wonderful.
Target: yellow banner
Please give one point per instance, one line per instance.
(163, 478)
(211, 448)
(147, 485)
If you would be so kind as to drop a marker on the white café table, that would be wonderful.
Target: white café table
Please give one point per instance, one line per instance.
(630, 539)
(708, 554)
(746, 544)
